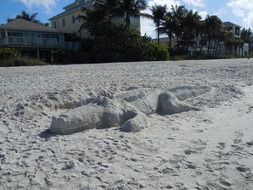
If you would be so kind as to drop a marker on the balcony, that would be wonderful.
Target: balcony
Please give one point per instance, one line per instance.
(31, 42)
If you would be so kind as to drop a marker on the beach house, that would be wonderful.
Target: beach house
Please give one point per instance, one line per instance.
(69, 21)
(31, 39)
(234, 28)
(238, 49)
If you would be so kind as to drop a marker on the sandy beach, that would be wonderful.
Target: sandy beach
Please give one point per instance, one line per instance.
(207, 149)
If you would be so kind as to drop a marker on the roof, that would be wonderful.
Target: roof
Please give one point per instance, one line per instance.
(21, 24)
(228, 24)
(73, 7)
(66, 12)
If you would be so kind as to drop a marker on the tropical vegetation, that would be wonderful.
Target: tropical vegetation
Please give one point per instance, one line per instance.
(192, 32)
(111, 35)
(195, 36)
(12, 57)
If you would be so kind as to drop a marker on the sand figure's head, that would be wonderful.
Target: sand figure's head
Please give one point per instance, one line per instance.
(169, 104)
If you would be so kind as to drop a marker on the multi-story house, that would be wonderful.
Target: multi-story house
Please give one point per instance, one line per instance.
(30, 38)
(234, 28)
(240, 49)
(69, 21)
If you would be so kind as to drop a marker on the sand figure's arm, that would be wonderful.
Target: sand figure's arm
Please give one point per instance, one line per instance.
(135, 123)
(77, 120)
(104, 113)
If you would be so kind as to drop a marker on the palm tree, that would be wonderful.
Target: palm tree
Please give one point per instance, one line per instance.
(91, 19)
(26, 16)
(229, 40)
(132, 8)
(158, 15)
(178, 13)
(110, 8)
(98, 19)
(191, 31)
(246, 35)
(168, 26)
(214, 29)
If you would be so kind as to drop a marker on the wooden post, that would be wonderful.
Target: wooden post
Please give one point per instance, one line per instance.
(38, 53)
(52, 56)
(6, 41)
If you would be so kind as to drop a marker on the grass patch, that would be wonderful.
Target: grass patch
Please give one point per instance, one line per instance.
(20, 61)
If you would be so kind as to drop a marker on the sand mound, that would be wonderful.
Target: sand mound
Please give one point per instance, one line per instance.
(124, 112)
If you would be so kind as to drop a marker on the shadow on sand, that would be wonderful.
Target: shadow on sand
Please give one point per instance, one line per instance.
(46, 135)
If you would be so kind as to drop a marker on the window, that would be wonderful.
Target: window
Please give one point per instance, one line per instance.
(79, 18)
(54, 24)
(49, 36)
(15, 34)
(73, 19)
(2, 35)
(82, 2)
(229, 28)
(237, 31)
(63, 22)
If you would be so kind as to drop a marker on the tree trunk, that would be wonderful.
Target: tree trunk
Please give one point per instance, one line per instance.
(128, 20)
(158, 34)
(170, 36)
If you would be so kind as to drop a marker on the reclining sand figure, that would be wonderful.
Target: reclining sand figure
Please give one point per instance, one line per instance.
(126, 112)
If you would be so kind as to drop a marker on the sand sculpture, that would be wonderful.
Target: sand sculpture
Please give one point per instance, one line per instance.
(127, 111)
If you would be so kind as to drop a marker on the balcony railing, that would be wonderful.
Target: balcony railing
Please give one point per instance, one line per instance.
(31, 42)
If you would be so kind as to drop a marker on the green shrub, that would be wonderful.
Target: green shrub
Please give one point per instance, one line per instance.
(156, 52)
(8, 53)
(70, 57)
(18, 61)
(117, 44)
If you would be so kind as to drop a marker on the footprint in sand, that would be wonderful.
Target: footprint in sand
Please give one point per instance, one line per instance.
(245, 171)
(238, 137)
(242, 168)
(250, 143)
(239, 134)
(250, 109)
(221, 145)
(196, 146)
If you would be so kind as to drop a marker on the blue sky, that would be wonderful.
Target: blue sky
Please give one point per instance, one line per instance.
(238, 11)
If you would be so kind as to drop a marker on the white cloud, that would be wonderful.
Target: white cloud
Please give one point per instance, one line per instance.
(243, 9)
(203, 14)
(147, 25)
(195, 3)
(46, 4)
(169, 3)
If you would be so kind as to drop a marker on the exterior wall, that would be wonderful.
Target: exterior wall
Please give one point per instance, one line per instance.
(245, 49)
(235, 30)
(18, 38)
(70, 26)
(73, 27)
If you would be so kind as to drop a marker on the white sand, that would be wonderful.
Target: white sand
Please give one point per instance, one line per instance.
(207, 149)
